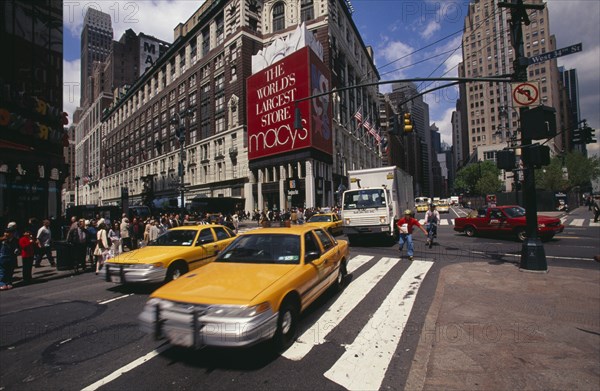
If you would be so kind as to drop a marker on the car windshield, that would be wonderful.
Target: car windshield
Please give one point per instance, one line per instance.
(515, 211)
(319, 219)
(364, 198)
(263, 249)
(175, 238)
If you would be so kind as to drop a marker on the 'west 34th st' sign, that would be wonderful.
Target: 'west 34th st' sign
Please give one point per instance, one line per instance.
(555, 53)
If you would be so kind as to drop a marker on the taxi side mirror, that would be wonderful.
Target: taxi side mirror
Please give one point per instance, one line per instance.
(311, 256)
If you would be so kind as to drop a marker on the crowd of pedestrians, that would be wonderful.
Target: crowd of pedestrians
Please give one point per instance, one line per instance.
(91, 242)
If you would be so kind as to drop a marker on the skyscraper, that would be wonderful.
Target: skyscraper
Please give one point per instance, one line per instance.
(487, 51)
(569, 81)
(96, 39)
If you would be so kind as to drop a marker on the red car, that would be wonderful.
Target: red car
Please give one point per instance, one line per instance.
(507, 220)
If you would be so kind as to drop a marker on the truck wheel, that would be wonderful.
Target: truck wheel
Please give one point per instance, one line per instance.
(352, 239)
(521, 236)
(470, 231)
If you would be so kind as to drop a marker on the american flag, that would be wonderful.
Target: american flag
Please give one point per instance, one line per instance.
(358, 114)
(367, 123)
(375, 134)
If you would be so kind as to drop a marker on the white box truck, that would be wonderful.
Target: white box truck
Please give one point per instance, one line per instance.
(376, 199)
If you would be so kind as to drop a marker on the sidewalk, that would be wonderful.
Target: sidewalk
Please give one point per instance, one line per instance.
(493, 327)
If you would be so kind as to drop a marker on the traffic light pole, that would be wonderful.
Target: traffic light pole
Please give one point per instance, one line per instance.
(533, 257)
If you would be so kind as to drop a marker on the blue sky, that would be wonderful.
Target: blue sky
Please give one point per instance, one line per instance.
(395, 29)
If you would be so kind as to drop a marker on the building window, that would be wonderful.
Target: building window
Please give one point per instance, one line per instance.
(205, 41)
(278, 17)
(220, 29)
(306, 10)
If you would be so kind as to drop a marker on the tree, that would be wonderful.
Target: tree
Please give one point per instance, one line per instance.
(582, 170)
(480, 178)
(551, 176)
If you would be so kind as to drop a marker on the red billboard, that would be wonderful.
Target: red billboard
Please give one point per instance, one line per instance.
(270, 106)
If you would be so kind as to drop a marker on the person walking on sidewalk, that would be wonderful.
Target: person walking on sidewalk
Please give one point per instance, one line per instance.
(44, 242)
(405, 227)
(27, 253)
(596, 208)
(9, 249)
(102, 246)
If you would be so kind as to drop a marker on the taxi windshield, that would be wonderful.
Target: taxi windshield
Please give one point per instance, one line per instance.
(319, 219)
(263, 249)
(175, 238)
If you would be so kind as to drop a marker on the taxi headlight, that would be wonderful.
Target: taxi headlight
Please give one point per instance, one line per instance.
(155, 301)
(237, 311)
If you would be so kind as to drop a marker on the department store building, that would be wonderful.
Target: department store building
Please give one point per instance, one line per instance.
(238, 70)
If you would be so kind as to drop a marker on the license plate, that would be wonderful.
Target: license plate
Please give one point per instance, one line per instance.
(386, 228)
(115, 279)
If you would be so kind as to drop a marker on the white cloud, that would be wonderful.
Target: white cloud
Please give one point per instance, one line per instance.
(71, 90)
(430, 29)
(443, 121)
(141, 16)
(398, 54)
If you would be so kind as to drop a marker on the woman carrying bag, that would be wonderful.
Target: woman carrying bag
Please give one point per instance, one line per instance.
(102, 246)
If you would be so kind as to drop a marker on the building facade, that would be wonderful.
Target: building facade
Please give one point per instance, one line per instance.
(201, 82)
(96, 39)
(492, 119)
(32, 133)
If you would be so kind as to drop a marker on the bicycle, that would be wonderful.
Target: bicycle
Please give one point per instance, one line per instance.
(431, 233)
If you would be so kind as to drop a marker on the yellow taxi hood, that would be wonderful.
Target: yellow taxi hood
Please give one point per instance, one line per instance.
(151, 254)
(223, 283)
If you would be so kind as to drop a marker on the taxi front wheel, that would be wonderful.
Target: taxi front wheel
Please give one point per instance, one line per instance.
(176, 270)
(287, 326)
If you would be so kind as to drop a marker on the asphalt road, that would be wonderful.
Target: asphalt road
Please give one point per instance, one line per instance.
(80, 332)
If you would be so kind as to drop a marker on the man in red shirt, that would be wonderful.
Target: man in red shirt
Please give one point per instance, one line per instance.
(405, 227)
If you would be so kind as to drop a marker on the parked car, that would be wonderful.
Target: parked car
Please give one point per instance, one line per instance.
(506, 220)
(328, 221)
(254, 291)
(170, 256)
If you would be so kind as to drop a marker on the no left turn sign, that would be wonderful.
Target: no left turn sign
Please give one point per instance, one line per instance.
(525, 94)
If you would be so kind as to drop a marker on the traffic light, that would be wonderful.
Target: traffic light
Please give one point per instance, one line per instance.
(576, 136)
(505, 160)
(536, 156)
(539, 123)
(587, 135)
(408, 127)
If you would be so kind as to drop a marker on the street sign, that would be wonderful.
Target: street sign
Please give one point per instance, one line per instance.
(525, 94)
(555, 53)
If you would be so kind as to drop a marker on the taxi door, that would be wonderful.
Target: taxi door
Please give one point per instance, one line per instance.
(206, 248)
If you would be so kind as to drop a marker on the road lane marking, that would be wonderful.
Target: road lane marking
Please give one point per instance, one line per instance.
(132, 365)
(592, 224)
(365, 362)
(339, 309)
(115, 298)
(356, 262)
(443, 222)
(577, 222)
(452, 221)
(563, 220)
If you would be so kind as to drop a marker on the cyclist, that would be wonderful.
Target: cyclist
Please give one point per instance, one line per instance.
(432, 219)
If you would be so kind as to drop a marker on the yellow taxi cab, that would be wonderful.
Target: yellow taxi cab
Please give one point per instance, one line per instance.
(422, 207)
(254, 291)
(328, 221)
(171, 255)
(443, 207)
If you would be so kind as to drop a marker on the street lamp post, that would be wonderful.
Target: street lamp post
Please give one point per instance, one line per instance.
(77, 178)
(177, 121)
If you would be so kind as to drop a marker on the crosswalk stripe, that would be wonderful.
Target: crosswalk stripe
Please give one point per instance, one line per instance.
(452, 221)
(365, 362)
(338, 310)
(577, 222)
(422, 221)
(356, 262)
(592, 224)
(443, 222)
(563, 220)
